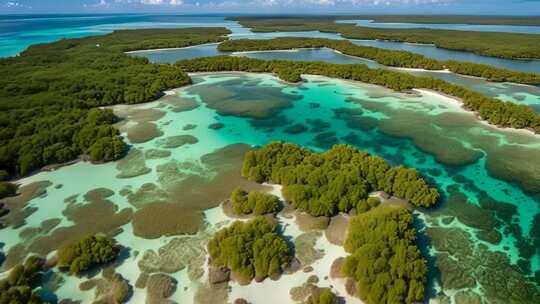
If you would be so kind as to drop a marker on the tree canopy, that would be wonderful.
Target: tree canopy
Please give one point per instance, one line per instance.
(326, 183)
(494, 111)
(385, 261)
(496, 44)
(395, 58)
(18, 286)
(252, 249)
(87, 253)
(50, 93)
(254, 202)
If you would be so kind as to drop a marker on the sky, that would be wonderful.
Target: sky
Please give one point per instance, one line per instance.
(496, 7)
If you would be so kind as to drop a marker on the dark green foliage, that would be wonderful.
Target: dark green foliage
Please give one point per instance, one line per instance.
(250, 249)
(49, 94)
(495, 111)
(322, 296)
(450, 19)
(254, 202)
(7, 189)
(505, 45)
(367, 204)
(17, 286)
(87, 253)
(334, 181)
(385, 261)
(386, 57)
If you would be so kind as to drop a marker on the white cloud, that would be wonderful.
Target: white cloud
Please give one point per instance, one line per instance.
(152, 2)
(15, 5)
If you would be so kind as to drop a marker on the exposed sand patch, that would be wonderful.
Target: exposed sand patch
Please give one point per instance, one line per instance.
(336, 233)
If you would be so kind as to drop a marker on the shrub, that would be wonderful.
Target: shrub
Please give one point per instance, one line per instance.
(254, 202)
(87, 253)
(385, 261)
(334, 181)
(250, 249)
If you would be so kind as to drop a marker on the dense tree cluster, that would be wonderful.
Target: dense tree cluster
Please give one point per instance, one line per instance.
(49, 94)
(322, 296)
(250, 249)
(385, 261)
(505, 45)
(449, 19)
(367, 204)
(394, 58)
(495, 111)
(254, 202)
(87, 253)
(324, 184)
(18, 286)
(6, 188)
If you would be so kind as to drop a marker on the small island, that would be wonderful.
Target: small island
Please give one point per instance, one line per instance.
(89, 252)
(253, 203)
(250, 250)
(326, 183)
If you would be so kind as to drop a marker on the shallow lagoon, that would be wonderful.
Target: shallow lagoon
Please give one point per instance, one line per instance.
(424, 130)
(21, 31)
(523, 94)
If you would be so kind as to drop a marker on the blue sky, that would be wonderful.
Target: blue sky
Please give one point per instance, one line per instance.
(274, 6)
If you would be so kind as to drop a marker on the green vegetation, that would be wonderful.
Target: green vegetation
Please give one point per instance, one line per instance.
(251, 250)
(367, 204)
(494, 111)
(87, 253)
(450, 19)
(322, 296)
(50, 93)
(393, 58)
(334, 181)
(254, 202)
(7, 189)
(18, 286)
(385, 261)
(505, 45)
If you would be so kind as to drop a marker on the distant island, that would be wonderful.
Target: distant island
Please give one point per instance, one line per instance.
(503, 45)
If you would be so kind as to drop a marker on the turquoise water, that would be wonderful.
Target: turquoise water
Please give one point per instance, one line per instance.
(454, 27)
(20, 31)
(531, 66)
(528, 95)
(448, 145)
(165, 187)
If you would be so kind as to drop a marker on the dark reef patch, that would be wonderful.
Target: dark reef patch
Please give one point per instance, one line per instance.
(187, 195)
(178, 141)
(236, 97)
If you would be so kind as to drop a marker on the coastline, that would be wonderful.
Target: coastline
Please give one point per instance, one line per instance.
(294, 50)
(454, 100)
(169, 49)
(447, 71)
(278, 291)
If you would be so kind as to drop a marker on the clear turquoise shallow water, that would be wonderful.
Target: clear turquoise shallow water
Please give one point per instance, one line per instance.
(18, 32)
(529, 95)
(404, 129)
(484, 185)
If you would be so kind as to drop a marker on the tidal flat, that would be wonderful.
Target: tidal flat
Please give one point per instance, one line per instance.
(163, 203)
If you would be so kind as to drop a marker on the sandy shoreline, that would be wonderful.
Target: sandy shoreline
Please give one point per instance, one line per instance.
(295, 50)
(454, 100)
(169, 49)
(270, 291)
